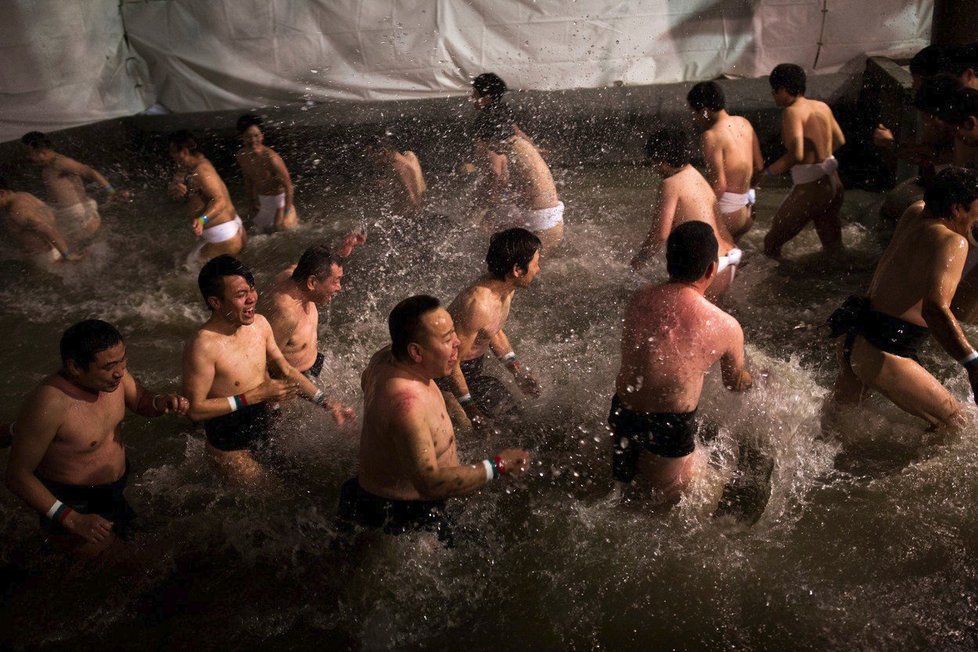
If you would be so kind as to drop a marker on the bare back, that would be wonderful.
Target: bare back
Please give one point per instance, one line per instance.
(204, 184)
(63, 185)
(729, 149)
(692, 199)
(530, 176)
(25, 214)
(820, 133)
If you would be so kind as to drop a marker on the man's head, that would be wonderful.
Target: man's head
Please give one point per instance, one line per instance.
(422, 334)
(691, 252)
(953, 195)
(514, 255)
(705, 99)
(962, 62)
(926, 63)
(960, 110)
(487, 89)
(495, 127)
(182, 146)
(787, 82)
(319, 274)
(37, 147)
(670, 146)
(249, 130)
(93, 355)
(228, 288)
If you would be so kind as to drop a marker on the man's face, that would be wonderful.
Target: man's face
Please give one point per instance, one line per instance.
(326, 287)
(179, 155)
(531, 271)
(252, 137)
(237, 305)
(782, 97)
(479, 101)
(105, 372)
(439, 345)
(37, 156)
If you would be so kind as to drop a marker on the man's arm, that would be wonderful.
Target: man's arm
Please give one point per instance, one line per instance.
(51, 234)
(663, 215)
(838, 138)
(210, 187)
(736, 378)
(503, 350)
(713, 154)
(71, 166)
(405, 173)
(793, 138)
(147, 404)
(282, 174)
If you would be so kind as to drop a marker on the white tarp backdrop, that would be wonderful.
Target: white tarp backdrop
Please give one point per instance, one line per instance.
(67, 62)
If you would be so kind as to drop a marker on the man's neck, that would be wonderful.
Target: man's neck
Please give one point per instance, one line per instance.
(501, 287)
(74, 383)
(222, 325)
(697, 286)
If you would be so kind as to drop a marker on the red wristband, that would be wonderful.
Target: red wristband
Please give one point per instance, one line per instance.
(64, 514)
(500, 465)
(244, 401)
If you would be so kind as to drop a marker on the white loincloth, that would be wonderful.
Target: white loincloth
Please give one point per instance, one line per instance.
(214, 235)
(268, 205)
(809, 172)
(537, 221)
(732, 202)
(74, 220)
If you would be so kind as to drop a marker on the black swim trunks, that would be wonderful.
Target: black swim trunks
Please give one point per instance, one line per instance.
(885, 332)
(665, 434)
(394, 517)
(244, 429)
(488, 392)
(313, 372)
(106, 500)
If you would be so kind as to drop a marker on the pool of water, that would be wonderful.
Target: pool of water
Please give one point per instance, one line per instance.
(869, 542)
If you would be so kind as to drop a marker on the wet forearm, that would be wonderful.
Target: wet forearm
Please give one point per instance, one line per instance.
(946, 330)
(24, 484)
(454, 482)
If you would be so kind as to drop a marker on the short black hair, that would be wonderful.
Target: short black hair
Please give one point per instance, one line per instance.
(489, 84)
(211, 277)
(706, 95)
(928, 62)
(935, 92)
(952, 185)
(960, 58)
(249, 120)
(670, 145)
(183, 139)
(495, 123)
(317, 260)
(790, 77)
(511, 247)
(404, 322)
(36, 140)
(83, 341)
(4, 184)
(690, 249)
(958, 106)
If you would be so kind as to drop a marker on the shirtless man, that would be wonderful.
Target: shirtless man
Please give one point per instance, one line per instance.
(402, 178)
(810, 135)
(672, 335)
(535, 204)
(68, 461)
(732, 153)
(479, 313)
(208, 202)
(64, 179)
(30, 224)
(225, 373)
(684, 196)
(408, 462)
(909, 299)
(267, 181)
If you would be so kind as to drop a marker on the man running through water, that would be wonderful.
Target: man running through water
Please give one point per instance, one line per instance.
(671, 337)
(267, 181)
(810, 135)
(64, 179)
(208, 202)
(402, 180)
(408, 461)
(683, 197)
(225, 373)
(733, 154)
(909, 299)
(479, 313)
(68, 461)
(30, 224)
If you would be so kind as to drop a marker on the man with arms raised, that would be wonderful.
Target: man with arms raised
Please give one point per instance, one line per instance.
(683, 197)
(672, 335)
(267, 181)
(225, 372)
(208, 202)
(68, 461)
(31, 226)
(909, 298)
(732, 153)
(479, 313)
(810, 135)
(408, 462)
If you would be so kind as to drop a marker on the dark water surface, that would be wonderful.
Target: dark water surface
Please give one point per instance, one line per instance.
(871, 545)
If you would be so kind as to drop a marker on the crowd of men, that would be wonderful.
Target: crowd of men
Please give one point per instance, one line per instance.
(68, 463)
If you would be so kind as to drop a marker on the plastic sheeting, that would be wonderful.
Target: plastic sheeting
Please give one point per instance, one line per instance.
(66, 60)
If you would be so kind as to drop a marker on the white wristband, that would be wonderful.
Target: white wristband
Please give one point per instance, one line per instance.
(489, 470)
(465, 399)
(318, 397)
(54, 508)
(232, 403)
(509, 357)
(971, 357)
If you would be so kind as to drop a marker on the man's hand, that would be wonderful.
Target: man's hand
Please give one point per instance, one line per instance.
(478, 418)
(119, 196)
(275, 390)
(341, 413)
(171, 404)
(515, 460)
(177, 190)
(351, 240)
(526, 382)
(883, 137)
(198, 227)
(91, 527)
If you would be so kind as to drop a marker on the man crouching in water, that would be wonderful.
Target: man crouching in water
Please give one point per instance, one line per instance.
(671, 337)
(68, 461)
(909, 298)
(408, 457)
(225, 373)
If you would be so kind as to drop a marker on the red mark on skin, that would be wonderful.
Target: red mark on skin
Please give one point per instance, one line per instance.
(403, 402)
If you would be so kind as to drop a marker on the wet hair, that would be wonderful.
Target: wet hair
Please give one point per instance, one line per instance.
(706, 95)
(690, 249)
(211, 277)
(317, 261)
(495, 123)
(489, 84)
(4, 184)
(83, 341)
(404, 322)
(248, 120)
(935, 92)
(385, 140)
(790, 77)
(671, 145)
(960, 58)
(958, 106)
(928, 62)
(952, 185)
(36, 140)
(511, 247)
(181, 139)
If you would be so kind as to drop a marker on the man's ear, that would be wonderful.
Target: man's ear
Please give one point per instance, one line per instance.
(414, 352)
(214, 303)
(711, 271)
